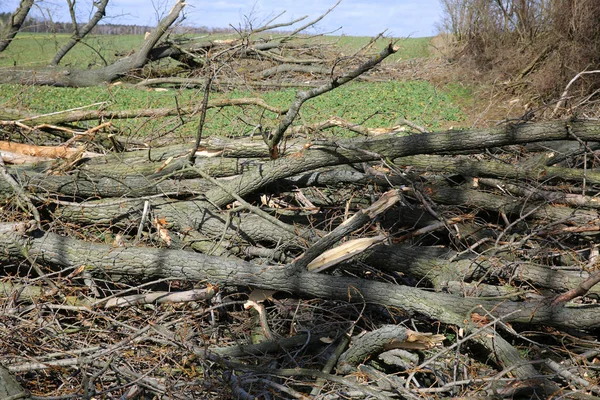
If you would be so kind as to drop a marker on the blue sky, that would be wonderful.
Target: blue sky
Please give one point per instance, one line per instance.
(402, 18)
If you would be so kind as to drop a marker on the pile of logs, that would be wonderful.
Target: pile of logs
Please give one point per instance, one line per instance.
(467, 259)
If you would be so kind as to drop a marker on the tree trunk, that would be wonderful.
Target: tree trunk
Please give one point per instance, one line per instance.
(14, 24)
(459, 243)
(134, 264)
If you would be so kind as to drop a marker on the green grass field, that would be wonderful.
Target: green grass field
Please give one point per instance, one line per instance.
(409, 48)
(374, 104)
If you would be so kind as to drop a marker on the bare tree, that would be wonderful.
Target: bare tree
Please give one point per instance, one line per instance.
(539, 44)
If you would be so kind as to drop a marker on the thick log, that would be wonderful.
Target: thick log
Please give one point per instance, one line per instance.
(127, 177)
(516, 206)
(442, 268)
(140, 263)
(495, 169)
(345, 152)
(181, 217)
(370, 344)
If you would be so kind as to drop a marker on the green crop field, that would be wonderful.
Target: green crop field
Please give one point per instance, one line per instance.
(374, 104)
(409, 48)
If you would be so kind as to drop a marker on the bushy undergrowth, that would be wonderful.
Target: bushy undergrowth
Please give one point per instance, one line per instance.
(535, 47)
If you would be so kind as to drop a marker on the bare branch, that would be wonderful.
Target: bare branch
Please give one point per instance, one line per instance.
(311, 23)
(564, 95)
(275, 26)
(86, 115)
(277, 135)
(77, 34)
(140, 57)
(14, 24)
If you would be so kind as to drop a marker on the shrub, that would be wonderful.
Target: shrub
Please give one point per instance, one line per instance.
(542, 43)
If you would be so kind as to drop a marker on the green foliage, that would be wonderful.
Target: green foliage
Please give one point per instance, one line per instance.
(460, 94)
(375, 105)
(380, 104)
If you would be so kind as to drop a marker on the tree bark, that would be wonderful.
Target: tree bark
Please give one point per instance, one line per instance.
(135, 264)
(14, 23)
(447, 275)
(441, 268)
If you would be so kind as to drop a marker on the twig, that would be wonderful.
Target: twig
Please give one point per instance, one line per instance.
(331, 362)
(563, 372)
(404, 121)
(349, 382)
(142, 220)
(584, 286)
(78, 115)
(457, 344)
(192, 156)
(563, 97)
(275, 26)
(162, 297)
(432, 227)
(62, 111)
(311, 23)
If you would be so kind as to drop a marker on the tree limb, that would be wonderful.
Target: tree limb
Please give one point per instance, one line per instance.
(14, 23)
(275, 137)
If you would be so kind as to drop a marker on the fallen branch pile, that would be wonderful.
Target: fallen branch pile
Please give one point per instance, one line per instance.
(467, 258)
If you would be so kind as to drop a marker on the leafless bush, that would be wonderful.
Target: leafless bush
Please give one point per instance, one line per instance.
(541, 44)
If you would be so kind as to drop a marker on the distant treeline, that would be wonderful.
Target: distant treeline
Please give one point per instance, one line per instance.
(37, 25)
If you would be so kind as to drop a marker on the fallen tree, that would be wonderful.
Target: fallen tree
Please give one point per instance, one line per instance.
(460, 262)
(499, 263)
(288, 51)
(59, 76)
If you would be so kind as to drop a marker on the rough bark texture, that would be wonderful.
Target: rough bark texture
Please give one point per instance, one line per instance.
(470, 241)
(138, 263)
(11, 29)
(369, 344)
